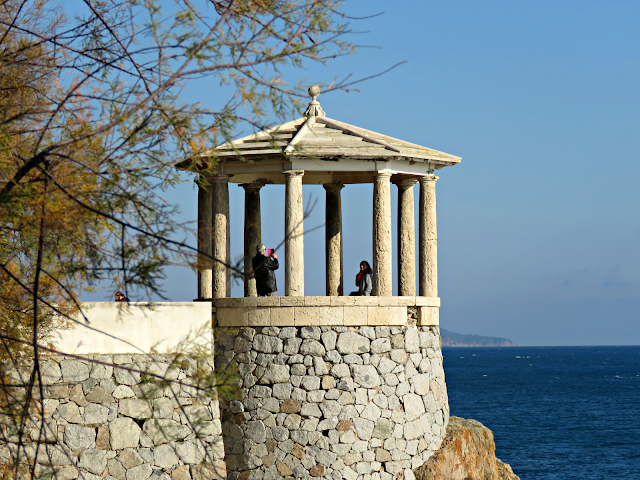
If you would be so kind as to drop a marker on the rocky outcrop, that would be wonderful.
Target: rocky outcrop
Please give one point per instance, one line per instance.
(468, 452)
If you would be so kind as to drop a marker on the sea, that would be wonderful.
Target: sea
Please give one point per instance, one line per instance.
(557, 413)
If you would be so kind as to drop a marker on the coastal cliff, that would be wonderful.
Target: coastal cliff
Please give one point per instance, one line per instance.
(468, 452)
(452, 339)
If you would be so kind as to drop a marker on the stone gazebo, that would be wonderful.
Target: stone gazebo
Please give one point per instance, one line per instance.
(319, 150)
(333, 387)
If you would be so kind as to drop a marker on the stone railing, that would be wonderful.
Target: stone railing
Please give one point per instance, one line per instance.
(338, 311)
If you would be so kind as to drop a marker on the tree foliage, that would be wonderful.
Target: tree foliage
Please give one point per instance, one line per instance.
(92, 121)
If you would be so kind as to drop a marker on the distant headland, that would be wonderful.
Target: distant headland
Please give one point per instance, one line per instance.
(451, 339)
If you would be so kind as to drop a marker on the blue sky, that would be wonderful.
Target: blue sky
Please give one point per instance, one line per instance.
(538, 225)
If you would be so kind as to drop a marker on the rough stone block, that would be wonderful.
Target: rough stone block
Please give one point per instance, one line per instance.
(275, 374)
(421, 383)
(128, 375)
(216, 470)
(366, 376)
(95, 414)
(124, 433)
(312, 347)
(77, 437)
(74, 371)
(99, 395)
(411, 340)
(116, 469)
(102, 439)
(50, 372)
(267, 344)
(93, 460)
(141, 472)
(380, 345)
(100, 371)
(136, 408)
(351, 342)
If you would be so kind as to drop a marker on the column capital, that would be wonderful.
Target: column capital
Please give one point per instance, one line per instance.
(222, 178)
(293, 173)
(336, 187)
(405, 183)
(253, 186)
(382, 175)
(428, 178)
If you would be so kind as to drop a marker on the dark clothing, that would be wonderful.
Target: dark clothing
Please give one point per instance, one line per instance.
(263, 268)
(125, 299)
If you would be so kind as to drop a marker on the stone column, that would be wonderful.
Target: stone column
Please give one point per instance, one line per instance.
(382, 274)
(406, 239)
(219, 224)
(428, 279)
(205, 200)
(252, 234)
(293, 235)
(333, 239)
(228, 262)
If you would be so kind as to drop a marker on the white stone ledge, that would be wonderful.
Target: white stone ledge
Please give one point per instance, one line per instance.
(326, 301)
(136, 327)
(325, 315)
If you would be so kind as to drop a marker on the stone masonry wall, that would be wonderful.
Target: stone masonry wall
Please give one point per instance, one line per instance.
(354, 403)
(105, 422)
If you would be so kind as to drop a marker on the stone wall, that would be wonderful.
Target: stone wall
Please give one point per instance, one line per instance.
(102, 421)
(354, 403)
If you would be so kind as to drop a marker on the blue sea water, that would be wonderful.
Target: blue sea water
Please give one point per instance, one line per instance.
(556, 412)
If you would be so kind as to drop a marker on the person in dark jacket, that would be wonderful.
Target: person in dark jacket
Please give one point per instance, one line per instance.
(263, 267)
(121, 298)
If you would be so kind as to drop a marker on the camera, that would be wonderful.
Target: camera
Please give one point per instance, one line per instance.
(269, 251)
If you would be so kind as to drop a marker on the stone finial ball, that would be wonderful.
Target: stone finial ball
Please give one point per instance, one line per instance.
(314, 90)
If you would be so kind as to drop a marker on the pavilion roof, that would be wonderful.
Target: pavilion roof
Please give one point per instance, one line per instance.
(321, 143)
(317, 137)
(325, 138)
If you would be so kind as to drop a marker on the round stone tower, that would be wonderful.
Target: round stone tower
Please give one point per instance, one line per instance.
(330, 387)
(337, 401)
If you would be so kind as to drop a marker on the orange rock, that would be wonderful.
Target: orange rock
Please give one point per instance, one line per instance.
(344, 425)
(297, 451)
(317, 470)
(290, 406)
(283, 469)
(468, 452)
